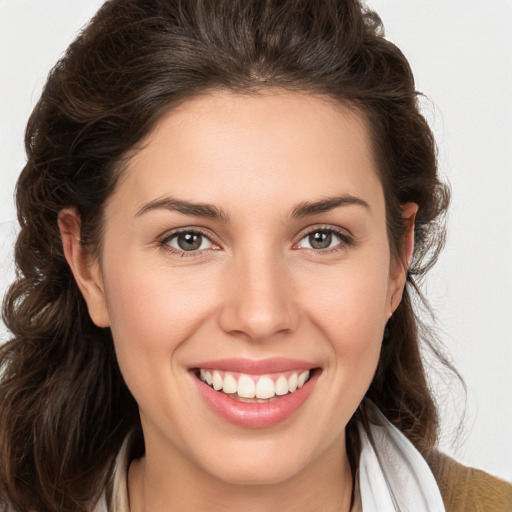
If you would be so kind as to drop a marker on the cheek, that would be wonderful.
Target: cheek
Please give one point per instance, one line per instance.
(351, 311)
(154, 310)
(154, 313)
(353, 301)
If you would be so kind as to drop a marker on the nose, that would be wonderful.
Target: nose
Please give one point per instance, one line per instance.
(259, 298)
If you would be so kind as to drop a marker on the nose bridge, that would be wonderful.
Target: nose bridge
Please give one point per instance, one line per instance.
(259, 300)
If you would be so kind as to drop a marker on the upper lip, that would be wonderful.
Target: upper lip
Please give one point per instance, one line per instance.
(256, 366)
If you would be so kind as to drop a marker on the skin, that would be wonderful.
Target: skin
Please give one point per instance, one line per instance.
(255, 289)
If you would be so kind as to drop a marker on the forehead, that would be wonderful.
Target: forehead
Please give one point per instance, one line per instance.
(276, 145)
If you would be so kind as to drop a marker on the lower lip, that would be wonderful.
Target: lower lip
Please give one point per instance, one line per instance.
(256, 415)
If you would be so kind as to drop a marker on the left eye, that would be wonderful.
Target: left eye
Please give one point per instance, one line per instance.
(189, 241)
(320, 239)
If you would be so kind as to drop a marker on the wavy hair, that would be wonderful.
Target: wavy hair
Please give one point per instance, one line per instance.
(65, 407)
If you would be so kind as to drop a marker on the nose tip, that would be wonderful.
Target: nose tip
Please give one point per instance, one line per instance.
(259, 303)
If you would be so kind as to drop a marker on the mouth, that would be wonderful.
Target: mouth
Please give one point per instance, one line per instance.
(255, 394)
(251, 388)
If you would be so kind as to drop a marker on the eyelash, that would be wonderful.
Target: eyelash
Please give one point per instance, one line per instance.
(345, 241)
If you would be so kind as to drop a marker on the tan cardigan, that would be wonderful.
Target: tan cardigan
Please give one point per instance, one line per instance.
(467, 489)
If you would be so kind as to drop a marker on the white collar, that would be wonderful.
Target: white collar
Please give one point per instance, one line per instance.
(393, 476)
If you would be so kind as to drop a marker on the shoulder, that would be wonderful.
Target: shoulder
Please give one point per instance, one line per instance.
(468, 489)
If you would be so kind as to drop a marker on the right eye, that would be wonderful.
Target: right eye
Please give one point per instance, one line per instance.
(188, 242)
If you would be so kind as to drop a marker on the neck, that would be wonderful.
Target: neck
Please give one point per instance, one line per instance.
(325, 484)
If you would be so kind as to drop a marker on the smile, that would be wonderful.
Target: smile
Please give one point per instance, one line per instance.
(255, 394)
(254, 388)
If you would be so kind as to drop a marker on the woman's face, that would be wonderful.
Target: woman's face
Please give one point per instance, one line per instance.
(246, 244)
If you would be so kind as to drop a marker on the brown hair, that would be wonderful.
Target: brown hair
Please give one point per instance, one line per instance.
(65, 407)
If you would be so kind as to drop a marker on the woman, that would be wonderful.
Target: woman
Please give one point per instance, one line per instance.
(223, 213)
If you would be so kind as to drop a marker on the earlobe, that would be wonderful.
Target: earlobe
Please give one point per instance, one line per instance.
(85, 268)
(409, 211)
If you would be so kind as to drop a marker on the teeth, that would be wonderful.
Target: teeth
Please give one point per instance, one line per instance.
(303, 377)
(230, 384)
(292, 383)
(281, 386)
(246, 387)
(251, 388)
(265, 388)
(217, 381)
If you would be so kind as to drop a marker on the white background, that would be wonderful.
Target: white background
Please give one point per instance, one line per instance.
(461, 54)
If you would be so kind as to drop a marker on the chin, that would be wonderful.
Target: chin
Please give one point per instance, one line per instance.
(265, 462)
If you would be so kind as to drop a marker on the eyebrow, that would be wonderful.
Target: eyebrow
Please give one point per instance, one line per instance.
(187, 208)
(306, 209)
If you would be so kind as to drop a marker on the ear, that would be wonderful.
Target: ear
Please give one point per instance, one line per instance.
(85, 267)
(400, 265)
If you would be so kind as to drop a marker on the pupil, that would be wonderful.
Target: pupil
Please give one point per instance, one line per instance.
(189, 241)
(320, 240)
